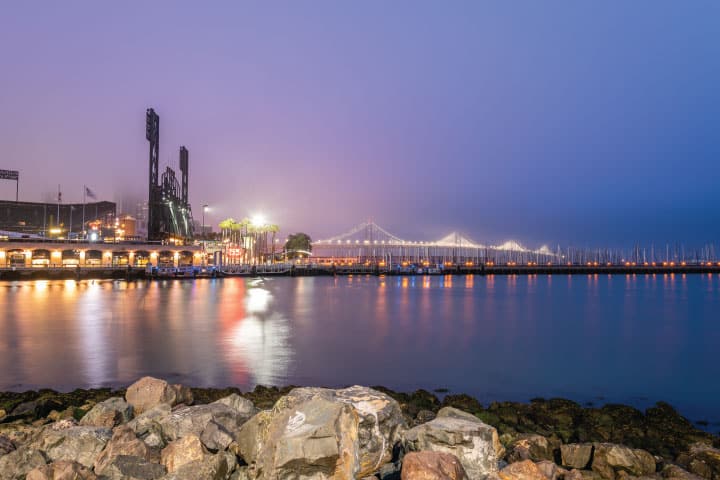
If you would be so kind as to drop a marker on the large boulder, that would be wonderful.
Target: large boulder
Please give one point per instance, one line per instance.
(61, 470)
(609, 459)
(149, 392)
(531, 447)
(428, 465)
(195, 420)
(209, 467)
(180, 452)
(576, 455)
(240, 404)
(148, 425)
(702, 460)
(322, 433)
(523, 470)
(78, 444)
(128, 467)
(451, 412)
(123, 442)
(215, 437)
(110, 413)
(315, 439)
(16, 464)
(473, 442)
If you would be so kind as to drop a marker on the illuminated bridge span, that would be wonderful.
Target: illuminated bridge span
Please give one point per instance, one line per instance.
(370, 242)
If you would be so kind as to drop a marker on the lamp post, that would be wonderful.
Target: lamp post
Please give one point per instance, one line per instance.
(202, 230)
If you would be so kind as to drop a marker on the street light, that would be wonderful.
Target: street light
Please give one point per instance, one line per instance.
(205, 209)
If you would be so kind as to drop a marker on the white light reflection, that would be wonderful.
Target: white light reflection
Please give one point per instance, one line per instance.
(93, 340)
(262, 345)
(258, 300)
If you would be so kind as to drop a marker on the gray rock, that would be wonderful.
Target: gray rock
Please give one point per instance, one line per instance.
(609, 459)
(126, 467)
(451, 412)
(389, 471)
(474, 443)
(193, 420)
(576, 455)
(315, 439)
(242, 405)
(424, 416)
(16, 464)
(215, 437)
(110, 413)
(78, 444)
(148, 425)
(322, 433)
(6, 445)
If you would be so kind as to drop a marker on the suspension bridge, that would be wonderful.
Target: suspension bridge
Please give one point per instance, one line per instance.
(370, 244)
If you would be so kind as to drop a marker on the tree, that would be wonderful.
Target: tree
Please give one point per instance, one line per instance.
(226, 227)
(297, 244)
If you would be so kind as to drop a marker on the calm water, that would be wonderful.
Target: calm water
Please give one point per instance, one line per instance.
(599, 338)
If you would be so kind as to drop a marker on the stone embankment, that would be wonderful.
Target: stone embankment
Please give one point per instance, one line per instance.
(155, 430)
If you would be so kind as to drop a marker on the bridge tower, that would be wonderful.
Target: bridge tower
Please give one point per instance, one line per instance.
(152, 134)
(184, 174)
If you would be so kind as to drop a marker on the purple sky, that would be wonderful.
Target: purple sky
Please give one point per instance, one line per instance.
(589, 123)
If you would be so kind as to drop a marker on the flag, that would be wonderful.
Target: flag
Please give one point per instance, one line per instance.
(90, 193)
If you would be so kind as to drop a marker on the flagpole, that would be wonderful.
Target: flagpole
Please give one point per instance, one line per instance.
(83, 218)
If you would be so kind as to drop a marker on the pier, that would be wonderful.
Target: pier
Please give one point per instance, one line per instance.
(72, 259)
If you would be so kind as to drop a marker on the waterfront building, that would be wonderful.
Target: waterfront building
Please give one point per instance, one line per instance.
(52, 219)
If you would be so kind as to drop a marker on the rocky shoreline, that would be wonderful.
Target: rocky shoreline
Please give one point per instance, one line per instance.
(154, 430)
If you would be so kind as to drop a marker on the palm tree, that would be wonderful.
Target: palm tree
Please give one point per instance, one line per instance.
(226, 227)
(236, 231)
(274, 229)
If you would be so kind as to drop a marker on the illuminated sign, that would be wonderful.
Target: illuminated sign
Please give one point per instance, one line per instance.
(9, 175)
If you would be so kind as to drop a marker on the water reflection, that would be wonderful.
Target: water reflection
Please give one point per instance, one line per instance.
(498, 337)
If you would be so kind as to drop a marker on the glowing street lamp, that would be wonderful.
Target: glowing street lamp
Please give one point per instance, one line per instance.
(205, 209)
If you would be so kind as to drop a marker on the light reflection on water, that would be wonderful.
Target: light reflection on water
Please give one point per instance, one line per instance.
(633, 339)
